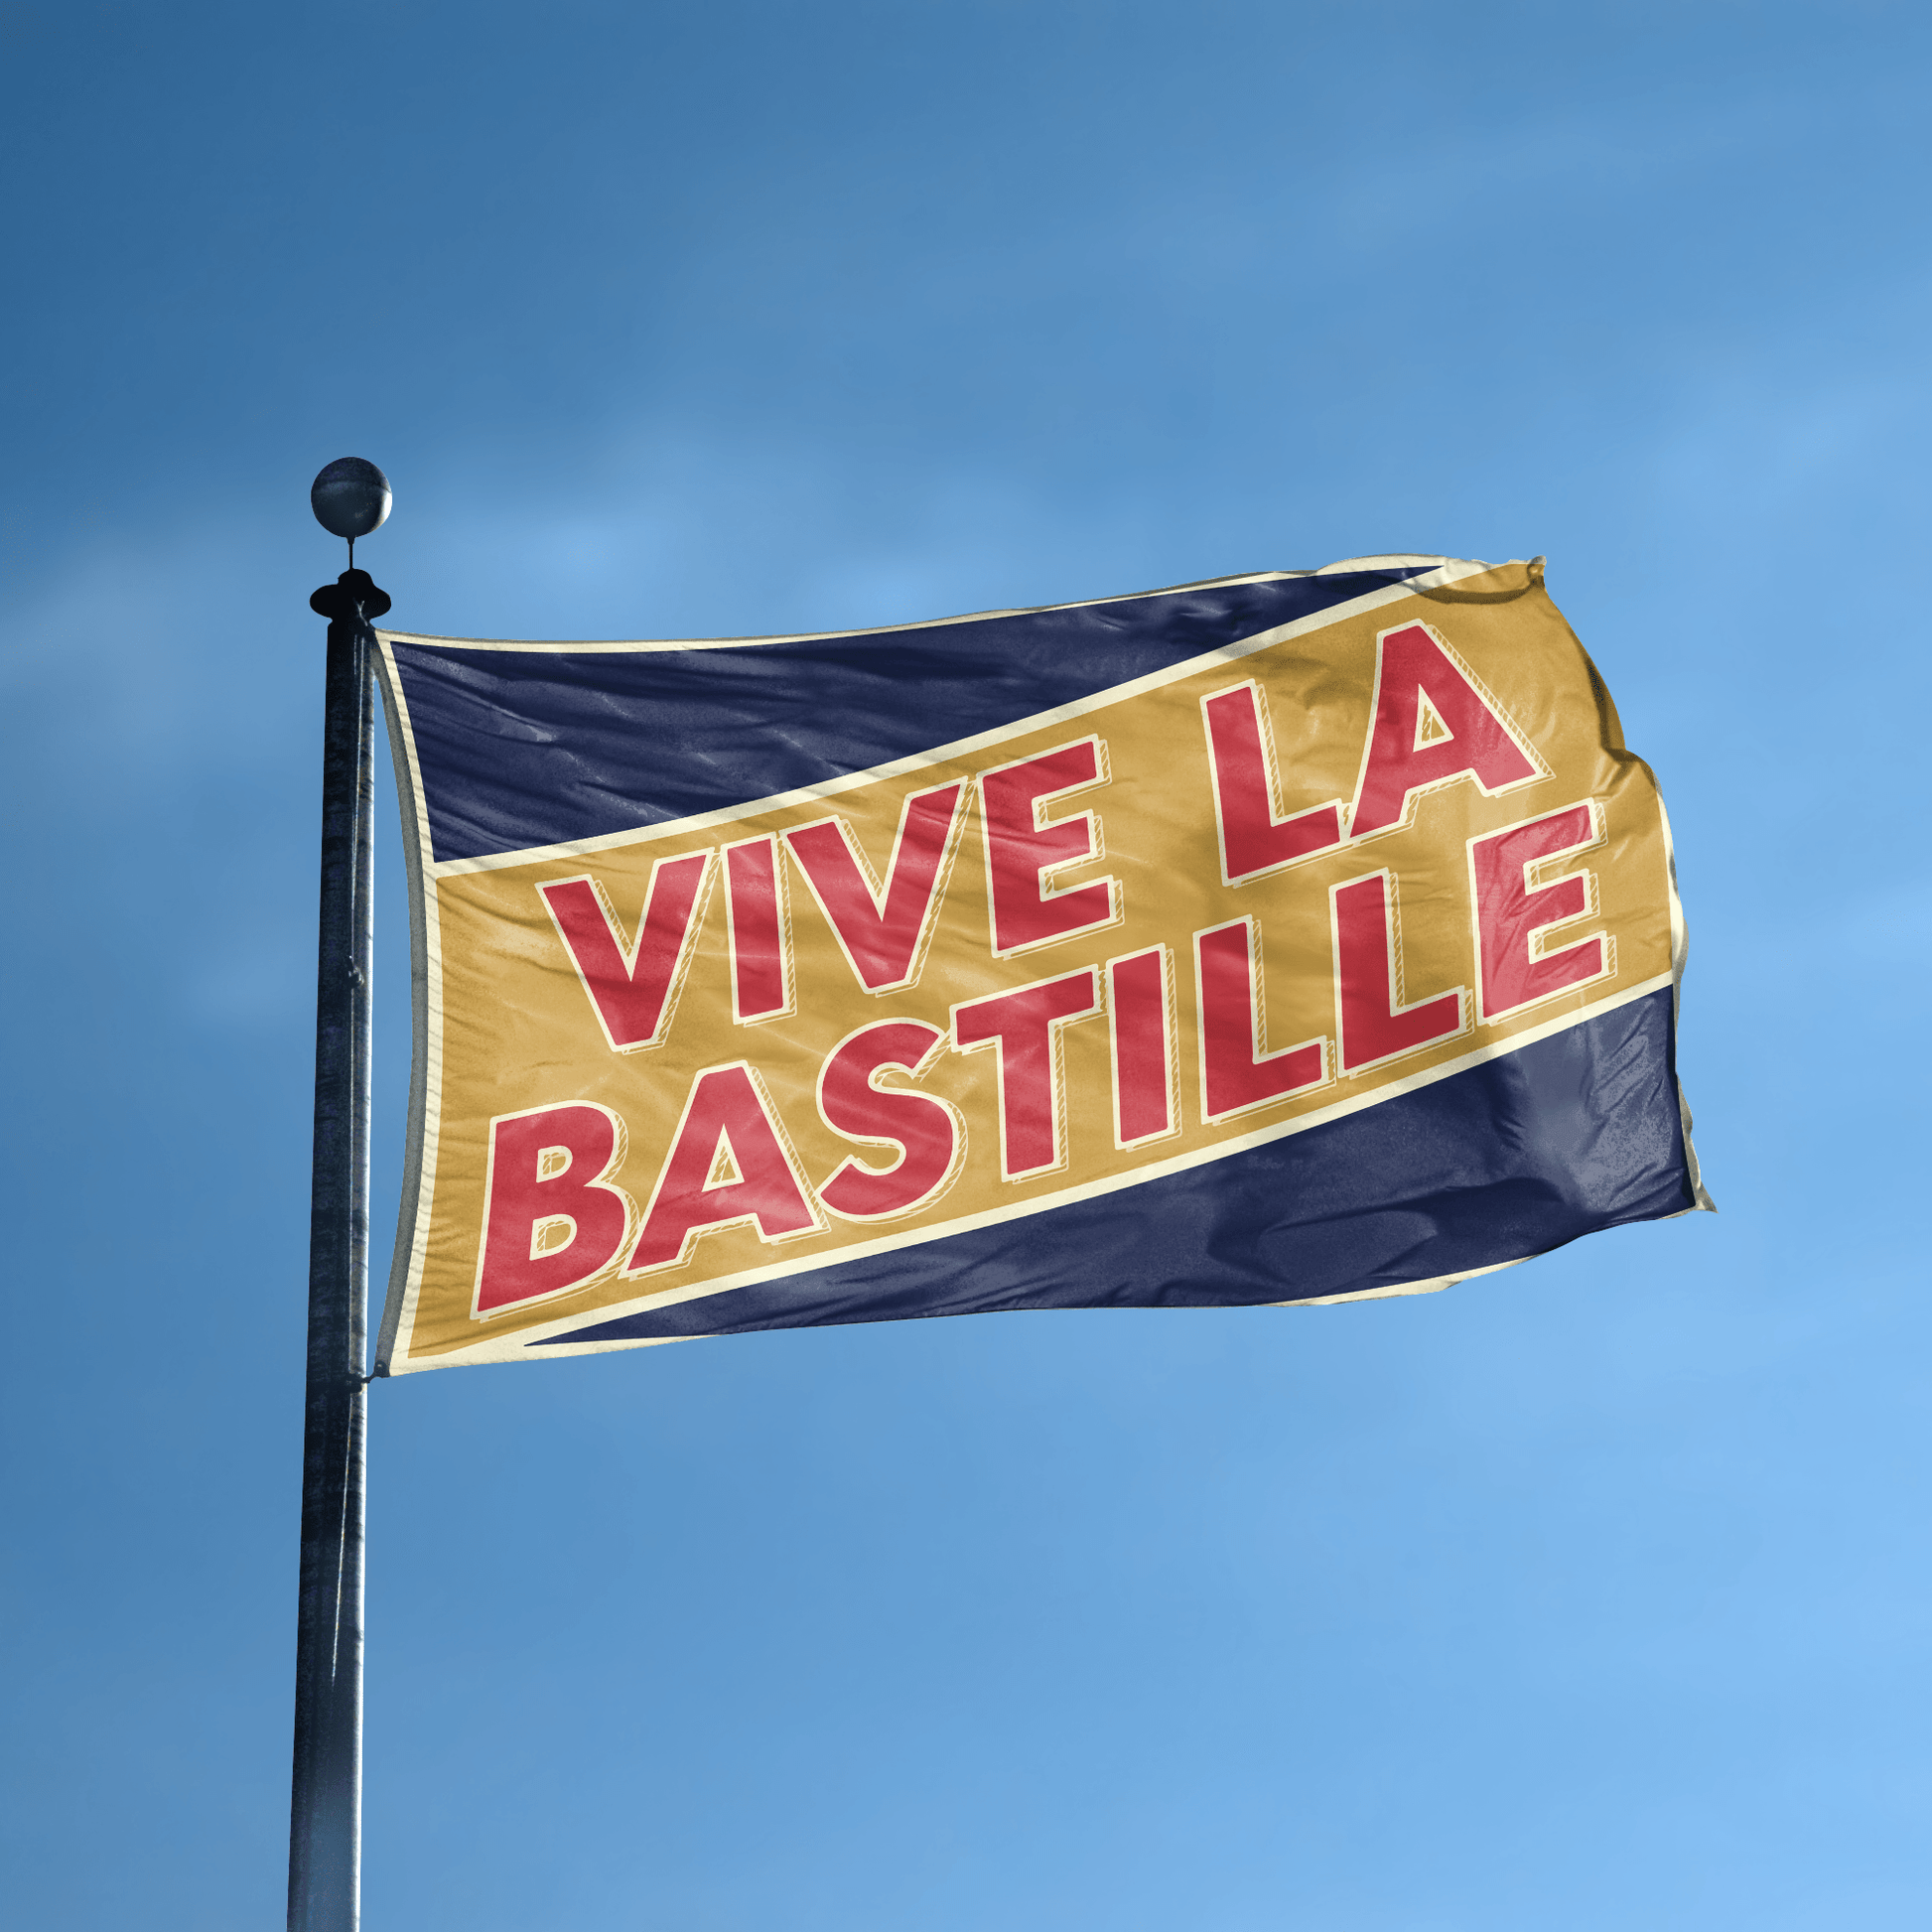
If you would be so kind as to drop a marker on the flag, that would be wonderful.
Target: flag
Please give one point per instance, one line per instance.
(1287, 938)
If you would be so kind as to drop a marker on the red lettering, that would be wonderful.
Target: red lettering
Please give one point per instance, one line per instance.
(1373, 1024)
(884, 931)
(1237, 1072)
(1023, 847)
(926, 1132)
(1140, 1020)
(633, 982)
(1515, 965)
(1434, 723)
(760, 930)
(730, 1162)
(1023, 1027)
(552, 1220)
(1256, 839)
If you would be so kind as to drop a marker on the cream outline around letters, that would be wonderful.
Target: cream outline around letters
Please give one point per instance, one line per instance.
(1056, 1060)
(880, 894)
(1392, 937)
(619, 1143)
(1483, 696)
(1169, 1044)
(1599, 835)
(629, 949)
(693, 1235)
(1270, 777)
(1258, 1024)
(782, 895)
(1096, 848)
(941, 1186)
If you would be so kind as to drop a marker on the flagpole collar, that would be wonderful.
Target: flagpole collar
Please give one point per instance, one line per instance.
(354, 595)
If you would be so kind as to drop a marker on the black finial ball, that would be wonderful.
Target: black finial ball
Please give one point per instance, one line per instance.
(351, 497)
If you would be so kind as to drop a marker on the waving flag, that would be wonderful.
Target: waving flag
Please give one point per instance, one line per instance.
(1286, 938)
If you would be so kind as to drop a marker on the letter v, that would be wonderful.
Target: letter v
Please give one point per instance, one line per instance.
(632, 984)
(884, 932)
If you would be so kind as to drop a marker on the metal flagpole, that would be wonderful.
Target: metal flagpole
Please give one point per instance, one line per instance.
(351, 499)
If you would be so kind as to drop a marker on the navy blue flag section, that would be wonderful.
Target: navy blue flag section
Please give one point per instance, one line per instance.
(1286, 938)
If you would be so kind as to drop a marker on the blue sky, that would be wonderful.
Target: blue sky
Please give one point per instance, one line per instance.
(1595, 1593)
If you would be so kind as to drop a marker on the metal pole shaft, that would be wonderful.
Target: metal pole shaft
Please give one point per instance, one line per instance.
(326, 1823)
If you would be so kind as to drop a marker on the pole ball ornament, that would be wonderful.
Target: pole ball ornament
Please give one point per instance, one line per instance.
(351, 497)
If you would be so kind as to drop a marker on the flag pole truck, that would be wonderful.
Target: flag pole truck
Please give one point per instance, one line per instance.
(351, 499)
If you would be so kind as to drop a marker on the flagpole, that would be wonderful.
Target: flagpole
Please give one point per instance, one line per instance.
(326, 1806)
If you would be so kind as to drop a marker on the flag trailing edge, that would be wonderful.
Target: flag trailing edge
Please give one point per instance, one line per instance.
(1288, 938)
